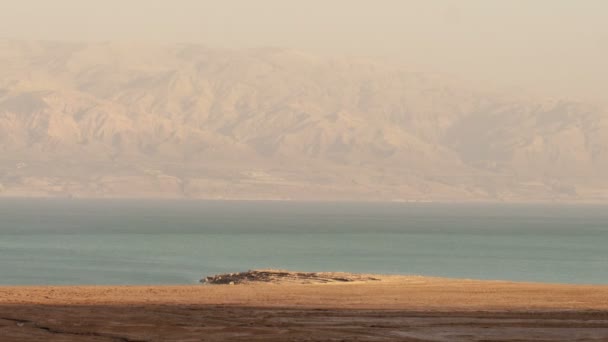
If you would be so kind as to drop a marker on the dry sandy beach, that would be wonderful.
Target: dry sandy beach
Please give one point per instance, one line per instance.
(392, 308)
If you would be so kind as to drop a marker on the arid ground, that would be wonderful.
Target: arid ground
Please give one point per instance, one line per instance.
(393, 308)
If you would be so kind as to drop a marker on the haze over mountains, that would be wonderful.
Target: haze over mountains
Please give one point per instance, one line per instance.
(116, 120)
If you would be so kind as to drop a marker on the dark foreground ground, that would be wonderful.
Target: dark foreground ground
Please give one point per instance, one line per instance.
(287, 306)
(228, 323)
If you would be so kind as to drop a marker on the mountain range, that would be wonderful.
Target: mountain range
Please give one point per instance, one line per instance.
(187, 121)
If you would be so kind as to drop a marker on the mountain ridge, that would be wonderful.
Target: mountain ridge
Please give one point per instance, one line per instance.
(186, 121)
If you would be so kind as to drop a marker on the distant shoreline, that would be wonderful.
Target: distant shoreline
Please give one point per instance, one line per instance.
(283, 200)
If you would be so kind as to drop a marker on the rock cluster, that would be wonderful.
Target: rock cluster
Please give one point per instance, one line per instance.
(277, 276)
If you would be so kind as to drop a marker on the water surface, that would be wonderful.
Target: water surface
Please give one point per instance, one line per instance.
(178, 242)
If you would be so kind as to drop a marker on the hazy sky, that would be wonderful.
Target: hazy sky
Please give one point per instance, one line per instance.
(557, 46)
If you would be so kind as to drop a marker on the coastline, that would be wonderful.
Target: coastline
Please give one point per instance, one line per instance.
(394, 308)
(362, 200)
(388, 292)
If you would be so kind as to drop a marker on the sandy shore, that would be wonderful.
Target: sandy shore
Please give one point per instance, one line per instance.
(400, 308)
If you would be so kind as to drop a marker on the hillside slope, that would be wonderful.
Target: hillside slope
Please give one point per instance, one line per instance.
(117, 120)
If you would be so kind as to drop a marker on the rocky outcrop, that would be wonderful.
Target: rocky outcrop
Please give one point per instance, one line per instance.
(279, 276)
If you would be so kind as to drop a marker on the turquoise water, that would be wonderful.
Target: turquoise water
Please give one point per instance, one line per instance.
(178, 242)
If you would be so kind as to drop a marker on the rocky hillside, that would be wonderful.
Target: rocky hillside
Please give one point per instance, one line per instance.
(112, 120)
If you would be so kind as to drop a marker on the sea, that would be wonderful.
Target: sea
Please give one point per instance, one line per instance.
(94, 242)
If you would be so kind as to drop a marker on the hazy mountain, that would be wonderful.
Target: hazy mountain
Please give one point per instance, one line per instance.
(111, 120)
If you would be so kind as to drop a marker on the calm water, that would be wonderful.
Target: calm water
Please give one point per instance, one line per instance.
(156, 242)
